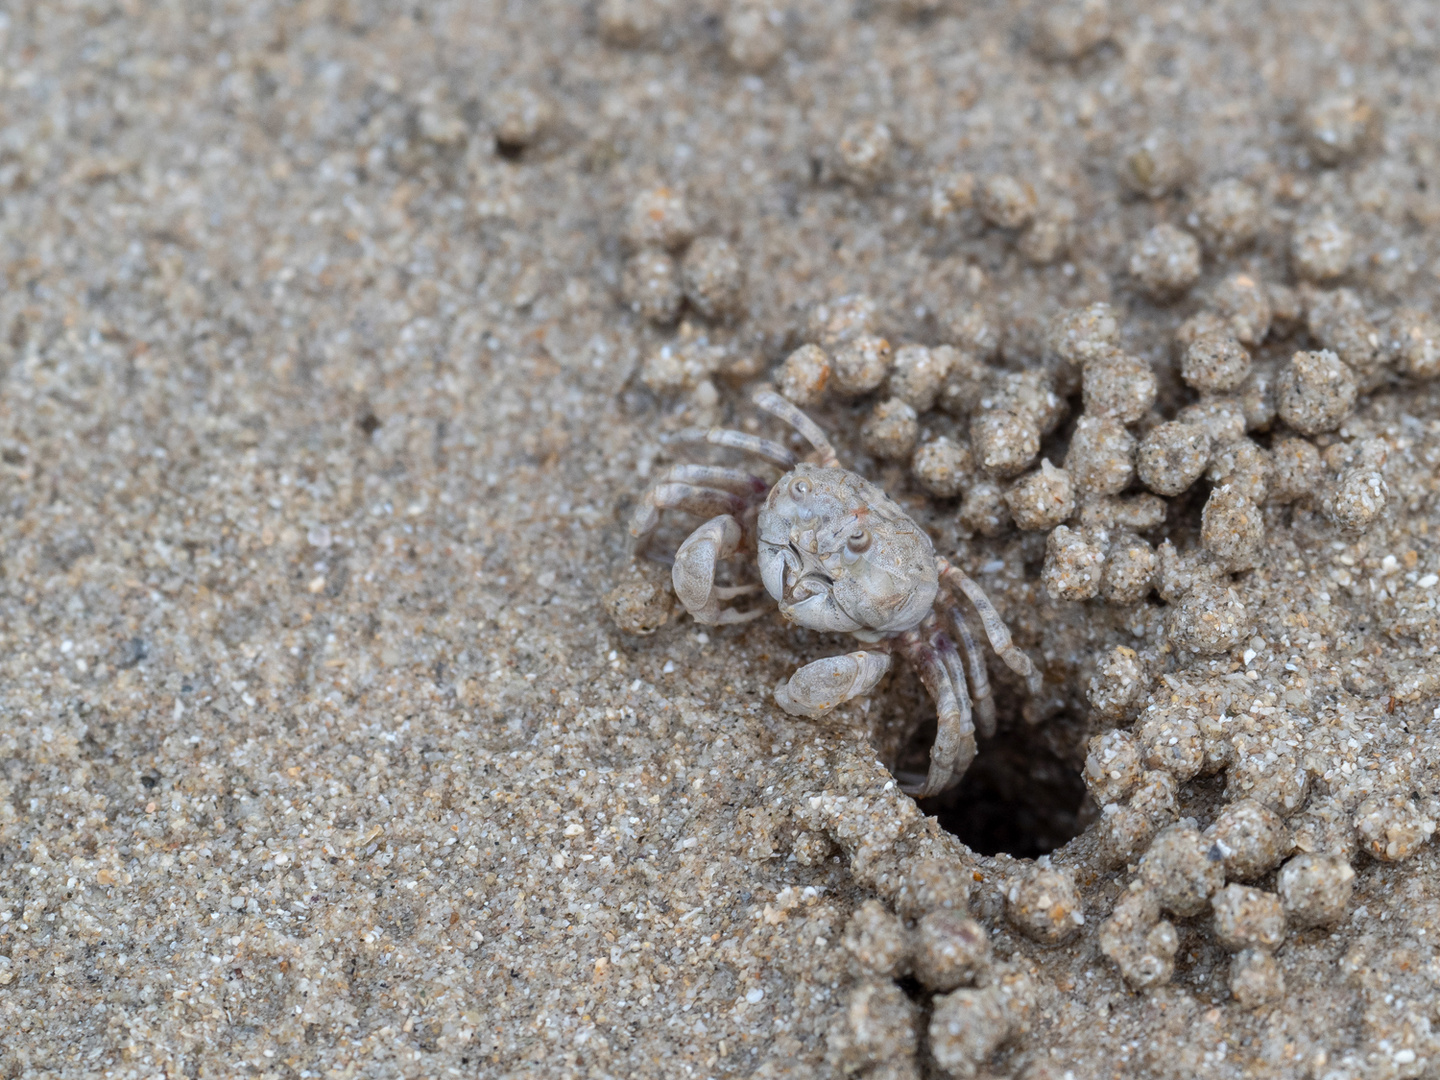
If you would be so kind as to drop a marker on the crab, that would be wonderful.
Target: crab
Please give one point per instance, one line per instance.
(838, 555)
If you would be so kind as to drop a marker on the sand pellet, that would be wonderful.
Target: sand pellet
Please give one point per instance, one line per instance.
(1004, 443)
(1101, 458)
(659, 217)
(1173, 456)
(1229, 215)
(918, 373)
(804, 375)
(891, 430)
(1215, 363)
(1314, 392)
(942, 466)
(1166, 262)
(861, 364)
(713, 277)
(1042, 499)
(1119, 386)
(1112, 766)
(1321, 249)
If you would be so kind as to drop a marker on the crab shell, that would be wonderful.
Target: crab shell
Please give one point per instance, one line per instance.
(838, 554)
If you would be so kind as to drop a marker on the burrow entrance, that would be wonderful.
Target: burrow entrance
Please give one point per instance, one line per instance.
(1018, 798)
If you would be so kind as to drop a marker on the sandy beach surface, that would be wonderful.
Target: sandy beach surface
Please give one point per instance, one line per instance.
(340, 735)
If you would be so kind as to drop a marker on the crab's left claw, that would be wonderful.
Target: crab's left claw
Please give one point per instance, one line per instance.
(821, 685)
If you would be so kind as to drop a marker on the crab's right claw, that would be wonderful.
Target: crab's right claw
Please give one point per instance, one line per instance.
(694, 573)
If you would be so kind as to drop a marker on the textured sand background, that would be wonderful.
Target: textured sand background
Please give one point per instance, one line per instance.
(320, 420)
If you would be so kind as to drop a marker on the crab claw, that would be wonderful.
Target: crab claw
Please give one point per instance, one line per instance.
(820, 686)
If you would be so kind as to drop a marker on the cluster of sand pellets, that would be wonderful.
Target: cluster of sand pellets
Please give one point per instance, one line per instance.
(1079, 443)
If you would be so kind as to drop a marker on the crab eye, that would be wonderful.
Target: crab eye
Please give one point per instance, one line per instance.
(799, 487)
(859, 540)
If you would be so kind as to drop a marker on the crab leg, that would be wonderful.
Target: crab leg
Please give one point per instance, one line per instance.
(954, 747)
(955, 669)
(735, 481)
(778, 407)
(979, 676)
(694, 573)
(995, 629)
(772, 452)
(671, 495)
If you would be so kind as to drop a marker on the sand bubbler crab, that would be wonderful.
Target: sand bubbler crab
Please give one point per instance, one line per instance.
(838, 555)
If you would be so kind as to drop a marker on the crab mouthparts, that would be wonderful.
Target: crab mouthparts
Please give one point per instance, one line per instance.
(811, 584)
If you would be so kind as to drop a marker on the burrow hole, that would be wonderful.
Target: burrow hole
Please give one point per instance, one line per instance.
(1018, 798)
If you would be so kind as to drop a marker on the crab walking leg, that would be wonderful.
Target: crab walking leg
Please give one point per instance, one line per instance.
(668, 495)
(772, 452)
(955, 669)
(729, 592)
(782, 409)
(979, 676)
(735, 481)
(694, 573)
(954, 747)
(995, 629)
(821, 685)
